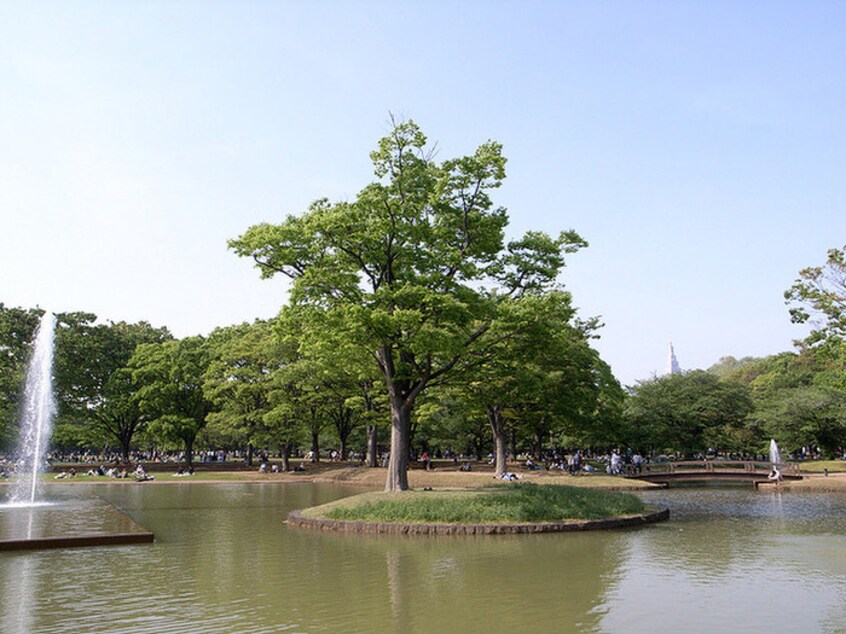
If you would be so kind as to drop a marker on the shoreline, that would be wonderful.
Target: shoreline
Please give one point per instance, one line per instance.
(296, 518)
(374, 478)
(346, 474)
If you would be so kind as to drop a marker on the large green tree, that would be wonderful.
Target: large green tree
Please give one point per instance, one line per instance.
(17, 330)
(240, 376)
(798, 398)
(818, 296)
(688, 412)
(407, 270)
(94, 394)
(539, 373)
(169, 380)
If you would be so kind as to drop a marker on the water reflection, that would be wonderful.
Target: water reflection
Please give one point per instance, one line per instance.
(738, 560)
(224, 561)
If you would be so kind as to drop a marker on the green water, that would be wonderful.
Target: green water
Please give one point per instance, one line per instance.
(223, 561)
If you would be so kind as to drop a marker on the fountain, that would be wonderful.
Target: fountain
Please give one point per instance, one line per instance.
(775, 456)
(37, 415)
(27, 521)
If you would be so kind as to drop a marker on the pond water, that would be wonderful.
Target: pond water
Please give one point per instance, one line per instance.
(223, 561)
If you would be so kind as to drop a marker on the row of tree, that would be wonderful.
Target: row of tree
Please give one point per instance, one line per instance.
(406, 294)
(798, 398)
(408, 312)
(125, 386)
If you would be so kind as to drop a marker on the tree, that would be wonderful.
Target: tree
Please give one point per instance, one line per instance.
(94, 394)
(798, 398)
(687, 412)
(239, 380)
(808, 416)
(818, 296)
(17, 330)
(119, 416)
(539, 373)
(169, 379)
(402, 270)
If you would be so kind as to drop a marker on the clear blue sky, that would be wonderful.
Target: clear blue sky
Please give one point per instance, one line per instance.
(700, 147)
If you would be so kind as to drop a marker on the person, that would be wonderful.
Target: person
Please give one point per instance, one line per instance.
(141, 475)
(425, 460)
(775, 475)
(616, 463)
(274, 468)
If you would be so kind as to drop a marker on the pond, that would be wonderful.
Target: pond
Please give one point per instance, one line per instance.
(224, 561)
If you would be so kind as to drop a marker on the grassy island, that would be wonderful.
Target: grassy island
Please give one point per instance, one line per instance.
(512, 503)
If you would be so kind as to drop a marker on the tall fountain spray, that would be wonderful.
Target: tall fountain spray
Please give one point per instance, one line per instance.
(37, 415)
(775, 455)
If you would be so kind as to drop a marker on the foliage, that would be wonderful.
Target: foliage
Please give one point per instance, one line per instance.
(728, 365)
(169, 380)
(687, 412)
(401, 272)
(812, 416)
(242, 373)
(93, 393)
(518, 502)
(818, 296)
(17, 330)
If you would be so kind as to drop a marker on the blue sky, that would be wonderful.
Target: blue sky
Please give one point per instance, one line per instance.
(699, 147)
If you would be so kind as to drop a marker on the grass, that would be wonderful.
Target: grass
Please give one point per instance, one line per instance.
(513, 503)
(818, 466)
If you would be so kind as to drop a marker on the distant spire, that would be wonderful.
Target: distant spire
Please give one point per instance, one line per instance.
(672, 362)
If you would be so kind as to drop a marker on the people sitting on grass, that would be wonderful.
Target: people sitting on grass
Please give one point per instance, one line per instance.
(141, 475)
(531, 465)
(510, 476)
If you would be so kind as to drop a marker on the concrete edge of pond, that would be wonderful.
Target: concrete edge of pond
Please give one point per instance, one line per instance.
(77, 541)
(295, 518)
(124, 532)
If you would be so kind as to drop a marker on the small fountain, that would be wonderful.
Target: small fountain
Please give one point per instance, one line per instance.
(775, 456)
(27, 521)
(37, 416)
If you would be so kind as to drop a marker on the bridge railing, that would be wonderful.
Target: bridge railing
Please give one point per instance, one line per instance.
(708, 466)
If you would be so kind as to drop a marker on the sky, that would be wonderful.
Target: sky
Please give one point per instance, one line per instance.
(699, 147)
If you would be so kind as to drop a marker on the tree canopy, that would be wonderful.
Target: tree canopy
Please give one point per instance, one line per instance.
(410, 271)
(818, 296)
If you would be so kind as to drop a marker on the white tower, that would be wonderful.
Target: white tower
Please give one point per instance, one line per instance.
(672, 362)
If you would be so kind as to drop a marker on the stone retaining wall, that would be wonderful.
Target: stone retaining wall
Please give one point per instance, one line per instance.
(295, 518)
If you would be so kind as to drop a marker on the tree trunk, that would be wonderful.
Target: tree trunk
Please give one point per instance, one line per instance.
(315, 446)
(249, 454)
(513, 444)
(397, 478)
(498, 429)
(537, 450)
(286, 456)
(124, 449)
(189, 451)
(372, 446)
